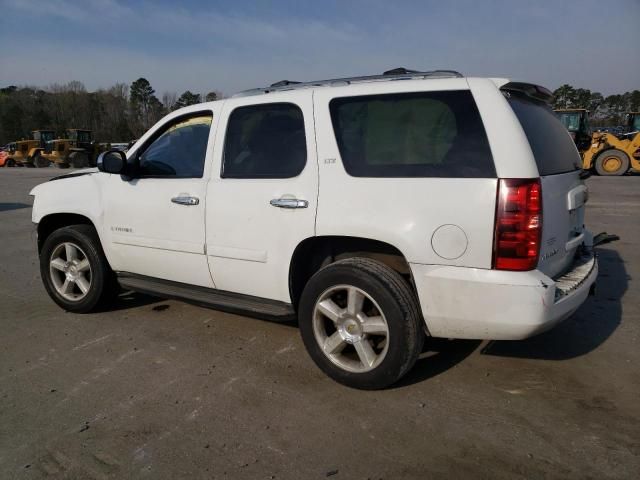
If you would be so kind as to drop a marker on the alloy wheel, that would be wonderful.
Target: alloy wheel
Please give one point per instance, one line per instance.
(70, 271)
(350, 328)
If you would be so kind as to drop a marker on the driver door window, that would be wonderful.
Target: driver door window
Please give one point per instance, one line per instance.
(179, 151)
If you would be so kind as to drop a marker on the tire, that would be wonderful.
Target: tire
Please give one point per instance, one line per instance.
(10, 163)
(63, 281)
(387, 301)
(40, 162)
(79, 159)
(612, 162)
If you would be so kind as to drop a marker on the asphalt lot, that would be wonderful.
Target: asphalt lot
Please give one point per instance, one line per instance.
(165, 390)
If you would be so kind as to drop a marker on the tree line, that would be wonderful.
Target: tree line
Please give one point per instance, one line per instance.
(124, 112)
(604, 111)
(116, 114)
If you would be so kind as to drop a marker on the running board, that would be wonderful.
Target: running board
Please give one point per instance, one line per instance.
(209, 297)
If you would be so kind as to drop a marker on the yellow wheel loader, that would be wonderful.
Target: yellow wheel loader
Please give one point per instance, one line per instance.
(609, 154)
(24, 153)
(77, 150)
(42, 137)
(19, 155)
(576, 120)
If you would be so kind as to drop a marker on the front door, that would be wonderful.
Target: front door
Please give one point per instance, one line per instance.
(156, 221)
(261, 200)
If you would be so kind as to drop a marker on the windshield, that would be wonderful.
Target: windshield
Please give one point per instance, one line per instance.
(571, 121)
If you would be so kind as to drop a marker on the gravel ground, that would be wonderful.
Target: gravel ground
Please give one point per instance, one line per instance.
(164, 390)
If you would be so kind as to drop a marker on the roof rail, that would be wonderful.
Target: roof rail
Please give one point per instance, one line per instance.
(394, 74)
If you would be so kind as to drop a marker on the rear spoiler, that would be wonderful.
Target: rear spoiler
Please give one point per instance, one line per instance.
(530, 90)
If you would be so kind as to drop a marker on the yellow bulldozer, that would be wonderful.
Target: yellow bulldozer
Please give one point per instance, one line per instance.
(603, 152)
(76, 150)
(611, 154)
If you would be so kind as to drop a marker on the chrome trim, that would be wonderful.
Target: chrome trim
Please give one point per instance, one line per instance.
(289, 203)
(180, 200)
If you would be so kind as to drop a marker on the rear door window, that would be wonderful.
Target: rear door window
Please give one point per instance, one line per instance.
(552, 146)
(423, 134)
(265, 141)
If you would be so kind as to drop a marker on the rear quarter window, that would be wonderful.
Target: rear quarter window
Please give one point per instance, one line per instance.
(424, 134)
(552, 146)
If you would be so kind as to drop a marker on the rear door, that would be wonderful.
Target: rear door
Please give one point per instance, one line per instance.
(563, 192)
(262, 196)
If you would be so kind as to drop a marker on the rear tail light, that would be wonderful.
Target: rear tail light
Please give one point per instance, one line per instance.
(518, 227)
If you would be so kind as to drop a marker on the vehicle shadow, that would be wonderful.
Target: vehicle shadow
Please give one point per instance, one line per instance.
(5, 207)
(129, 299)
(587, 329)
(438, 356)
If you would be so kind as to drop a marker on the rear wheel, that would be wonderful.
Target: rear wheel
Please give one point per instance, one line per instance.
(360, 323)
(612, 162)
(74, 269)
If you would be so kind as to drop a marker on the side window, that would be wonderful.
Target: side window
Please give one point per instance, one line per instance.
(265, 141)
(179, 151)
(424, 134)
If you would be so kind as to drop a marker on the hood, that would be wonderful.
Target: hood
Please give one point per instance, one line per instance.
(77, 173)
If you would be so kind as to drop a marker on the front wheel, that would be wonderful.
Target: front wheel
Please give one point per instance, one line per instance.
(360, 323)
(40, 162)
(74, 269)
(612, 162)
(78, 159)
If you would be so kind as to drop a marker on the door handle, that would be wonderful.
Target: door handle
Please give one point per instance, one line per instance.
(289, 203)
(185, 200)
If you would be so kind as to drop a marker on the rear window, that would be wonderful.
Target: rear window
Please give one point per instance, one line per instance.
(424, 134)
(552, 147)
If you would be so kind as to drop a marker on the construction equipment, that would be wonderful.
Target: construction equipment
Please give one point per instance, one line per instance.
(611, 154)
(19, 153)
(576, 120)
(633, 122)
(42, 137)
(76, 150)
(23, 153)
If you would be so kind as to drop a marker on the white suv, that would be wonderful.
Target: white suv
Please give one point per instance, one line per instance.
(375, 209)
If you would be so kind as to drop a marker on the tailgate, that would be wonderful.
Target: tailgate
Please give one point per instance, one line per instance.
(563, 203)
(563, 192)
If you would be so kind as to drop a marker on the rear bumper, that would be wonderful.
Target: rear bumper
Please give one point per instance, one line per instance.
(474, 303)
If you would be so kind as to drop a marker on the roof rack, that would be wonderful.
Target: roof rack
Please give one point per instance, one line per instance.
(393, 74)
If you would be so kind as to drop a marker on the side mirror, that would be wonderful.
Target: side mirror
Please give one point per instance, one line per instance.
(112, 161)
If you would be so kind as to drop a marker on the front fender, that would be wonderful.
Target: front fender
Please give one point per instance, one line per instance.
(79, 195)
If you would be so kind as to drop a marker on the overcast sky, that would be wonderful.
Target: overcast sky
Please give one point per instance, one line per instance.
(232, 45)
